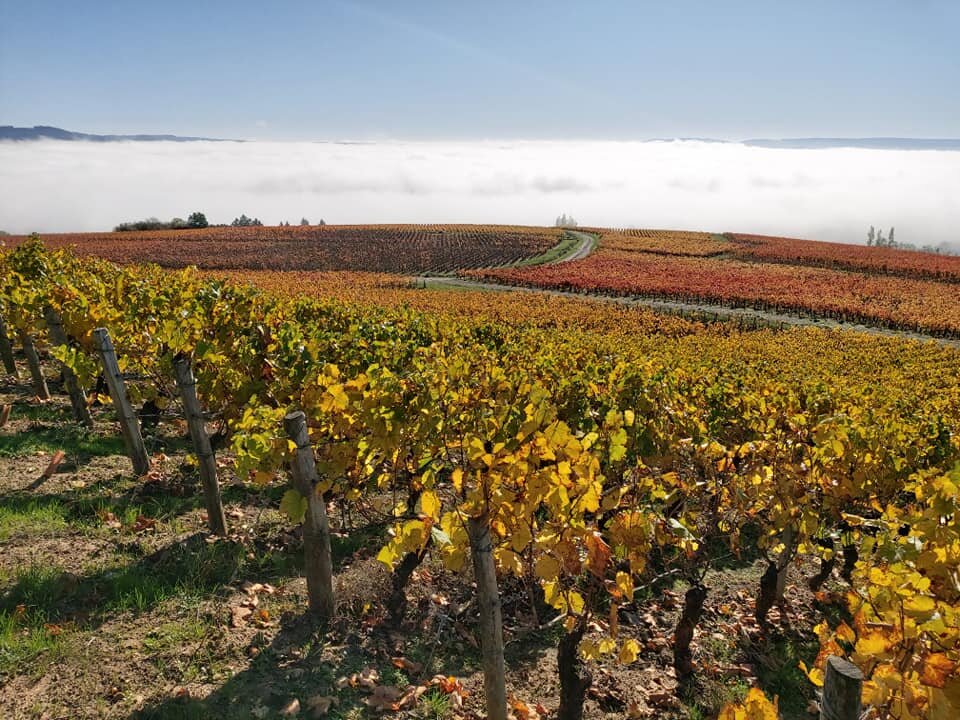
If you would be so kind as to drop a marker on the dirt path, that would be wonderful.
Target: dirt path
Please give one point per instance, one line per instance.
(720, 312)
(587, 243)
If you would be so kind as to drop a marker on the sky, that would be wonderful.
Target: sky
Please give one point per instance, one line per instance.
(500, 69)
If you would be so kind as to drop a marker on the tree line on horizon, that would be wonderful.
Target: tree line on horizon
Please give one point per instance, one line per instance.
(875, 238)
(198, 220)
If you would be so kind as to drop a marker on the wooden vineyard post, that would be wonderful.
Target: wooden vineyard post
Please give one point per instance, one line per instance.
(129, 425)
(6, 350)
(187, 385)
(842, 687)
(318, 560)
(491, 619)
(33, 363)
(78, 399)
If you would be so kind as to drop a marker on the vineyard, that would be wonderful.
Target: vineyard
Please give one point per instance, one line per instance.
(684, 268)
(495, 512)
(888, 261)
(385, 248)
(666, 242)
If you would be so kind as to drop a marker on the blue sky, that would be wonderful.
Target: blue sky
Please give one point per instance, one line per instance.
(496, 69)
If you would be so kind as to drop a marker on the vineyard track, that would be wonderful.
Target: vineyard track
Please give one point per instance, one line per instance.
(696, 310)
(587, 243)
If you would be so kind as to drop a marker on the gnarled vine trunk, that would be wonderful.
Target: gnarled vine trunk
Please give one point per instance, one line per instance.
(686, 626)
(773, 582)
(397, 602)
(826, 567)
(575, 679)
(850, 557)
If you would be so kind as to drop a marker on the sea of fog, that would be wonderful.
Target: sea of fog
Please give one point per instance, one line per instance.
(834, 194)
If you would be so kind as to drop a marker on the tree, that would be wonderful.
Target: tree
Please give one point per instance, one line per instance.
(870, 235)
(304, 221)
(244, 221)
(322, 221)
(197, 220)
(890, 239)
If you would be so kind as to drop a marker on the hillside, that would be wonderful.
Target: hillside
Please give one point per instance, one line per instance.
(46, 132)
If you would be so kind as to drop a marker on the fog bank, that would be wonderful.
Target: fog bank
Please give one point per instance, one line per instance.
(53, 186)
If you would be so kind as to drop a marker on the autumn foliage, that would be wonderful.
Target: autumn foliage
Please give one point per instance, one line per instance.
(597, 461)
(388, 248)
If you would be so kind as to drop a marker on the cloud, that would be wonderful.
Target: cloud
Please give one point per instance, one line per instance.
(54, 186)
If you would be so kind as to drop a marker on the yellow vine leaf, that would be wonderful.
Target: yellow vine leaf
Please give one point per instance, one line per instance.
(625, 585)
(547, 568)
(756, 706)
(629, 651)
(589, 650)
(430, 504)
(294, 506)
(872, 644)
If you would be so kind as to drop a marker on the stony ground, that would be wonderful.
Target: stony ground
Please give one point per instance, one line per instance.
(115, 603)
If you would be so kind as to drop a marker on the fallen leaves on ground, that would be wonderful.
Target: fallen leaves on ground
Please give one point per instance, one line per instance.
(109, 519)
(407, 665)
(144, 523)
(248, 609)
(291, 709)
(319, 705)
(239, 615)
(524, 711)
(390, 698)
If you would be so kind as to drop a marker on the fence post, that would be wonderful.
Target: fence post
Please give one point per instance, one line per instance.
(187, 385)
(33, 363)
(129, 425)
(491, 618)
(318, 562)
(842, 687)
(78, 399)
(6, 350)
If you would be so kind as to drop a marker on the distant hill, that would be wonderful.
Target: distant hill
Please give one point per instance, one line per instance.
(45, 132)
(879, 143)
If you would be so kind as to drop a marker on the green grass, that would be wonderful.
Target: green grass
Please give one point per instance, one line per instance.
(780, 675)
(23, 639)
(33, 517)
(568, 243)
(185, 573)
(35, 412)
(435, 705)
(23, 513)
(704, 698)
(75, 441)
(24, 633)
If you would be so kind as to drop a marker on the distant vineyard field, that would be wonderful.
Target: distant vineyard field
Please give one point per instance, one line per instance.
(666, 242)
(682, 266)
(380, 248)
(880, 260)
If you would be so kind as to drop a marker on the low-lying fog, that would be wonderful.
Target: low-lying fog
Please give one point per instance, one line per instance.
(836, 194)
